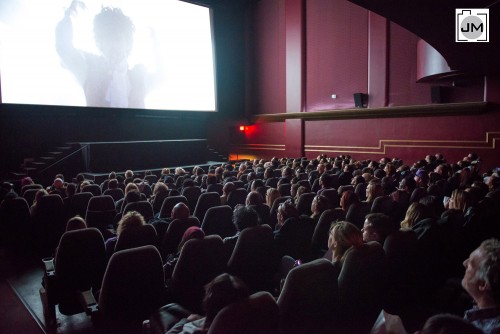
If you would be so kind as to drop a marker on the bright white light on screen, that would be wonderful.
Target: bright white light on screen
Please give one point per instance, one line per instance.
(171, 36)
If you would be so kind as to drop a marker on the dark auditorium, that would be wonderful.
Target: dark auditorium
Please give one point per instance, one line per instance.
(250, 167)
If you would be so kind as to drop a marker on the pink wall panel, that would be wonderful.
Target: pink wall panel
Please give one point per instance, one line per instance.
(266, 50)
(403, 89)
(336, 53)
(337, 37)
(408, 138)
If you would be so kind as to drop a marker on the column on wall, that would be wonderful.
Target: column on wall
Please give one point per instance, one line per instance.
(295, 78)
(378, 60)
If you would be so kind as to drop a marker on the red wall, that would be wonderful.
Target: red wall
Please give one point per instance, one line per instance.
(347, 49)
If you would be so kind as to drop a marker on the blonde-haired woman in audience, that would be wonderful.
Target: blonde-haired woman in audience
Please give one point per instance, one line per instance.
(460, 200)
(343, 236)
(271, 195)
(374, 190)
(415, 213)
(129, 220)
(180, 171)
(165, 171)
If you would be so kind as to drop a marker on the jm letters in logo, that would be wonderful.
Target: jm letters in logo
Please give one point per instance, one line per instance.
(472, 25)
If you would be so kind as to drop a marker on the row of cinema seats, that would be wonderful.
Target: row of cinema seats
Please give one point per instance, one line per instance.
(317, 297)
(49, 220)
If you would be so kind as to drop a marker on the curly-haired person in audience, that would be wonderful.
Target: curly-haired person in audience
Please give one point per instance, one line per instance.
(129, 220)
(219, 293)
(482, 282)
(243, 217)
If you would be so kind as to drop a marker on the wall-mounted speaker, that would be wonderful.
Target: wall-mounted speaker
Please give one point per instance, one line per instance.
(360, 100)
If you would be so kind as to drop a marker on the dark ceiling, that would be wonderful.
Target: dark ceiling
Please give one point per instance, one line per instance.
(434, 22)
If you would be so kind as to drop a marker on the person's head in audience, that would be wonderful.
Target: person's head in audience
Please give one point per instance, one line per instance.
(39, 194)
(357, 180)
(121, 179)
(348, 197)
(129, 174)
(493, 182)
(271, 195)
(112, 175)
(58, 184)
(84, 184)
(133, 196)
(129, 220)
(482, 282)
(367, 176)
(76, 223)
(180, 171)
(421, 177)
(407, 184)
(165, 171)
(285, 211)
(254, 198)
(251, 177)
(293, 189)
(415, 213)
(79, 178)
(374, 190)
(325, 181)
(180, 211)
(193, 232)
(223, 290)
(26, 181)
(71, 189)
(160, 188)
(460, 200)
(131, 187)
(227, 188)
(113, 183)
(287, 173)
(343, 235)
(188, 182)
(319, 204)
(244, 216)
(301, 190)
(448, 324)
(377, 227)
(320, 168)
(256, 184)
(268, 173)
(390, 169)
(211, 179)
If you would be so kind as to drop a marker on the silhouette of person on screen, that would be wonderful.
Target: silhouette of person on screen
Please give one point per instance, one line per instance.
(106, 79)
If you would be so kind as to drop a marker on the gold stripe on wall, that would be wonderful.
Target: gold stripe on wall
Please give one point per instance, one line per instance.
(265, 147)
(489, 144)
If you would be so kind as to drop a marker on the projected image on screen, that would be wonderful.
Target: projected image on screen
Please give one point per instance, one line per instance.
(154, 54)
